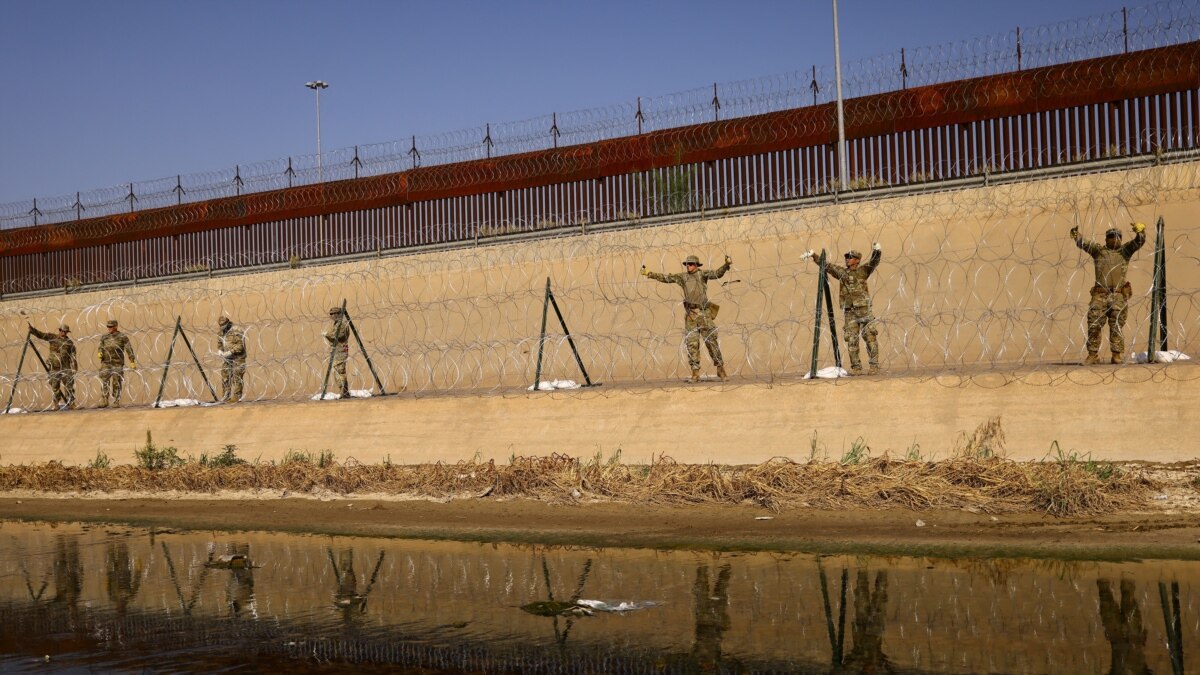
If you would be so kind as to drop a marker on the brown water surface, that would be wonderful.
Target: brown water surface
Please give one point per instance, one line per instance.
(77, 596)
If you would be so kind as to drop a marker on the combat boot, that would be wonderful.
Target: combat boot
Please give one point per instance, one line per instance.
(233, 399)
(1118, 357)
(695, 375)
(721, 373)
(1092, 359)
(346, 393)
(873, 369)
(116, 404)
(103, 404)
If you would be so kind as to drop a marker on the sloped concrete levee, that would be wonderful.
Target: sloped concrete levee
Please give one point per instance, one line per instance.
(981, 299)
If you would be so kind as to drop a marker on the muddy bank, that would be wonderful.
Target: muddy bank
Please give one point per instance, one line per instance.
(1164, 533)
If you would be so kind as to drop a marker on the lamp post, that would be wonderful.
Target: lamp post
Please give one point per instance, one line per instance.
(841, 119)
(317, 86)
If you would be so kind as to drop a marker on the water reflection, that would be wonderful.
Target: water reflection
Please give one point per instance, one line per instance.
(122, 575)
(92, 599)
(347, 599)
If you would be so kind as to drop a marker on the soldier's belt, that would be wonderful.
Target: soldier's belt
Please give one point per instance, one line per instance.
(690, 306)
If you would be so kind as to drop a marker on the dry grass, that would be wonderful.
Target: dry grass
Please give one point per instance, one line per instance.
(991, 485)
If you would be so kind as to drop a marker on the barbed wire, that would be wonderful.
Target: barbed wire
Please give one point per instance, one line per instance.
(977, 285)
(1164, 23)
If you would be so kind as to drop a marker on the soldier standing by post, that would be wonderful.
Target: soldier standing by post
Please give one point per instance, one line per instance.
(231, 346)
(338, 337)
(699, 313)
(855, 298)
(114, 346)
(1110, 294)
(61, 365)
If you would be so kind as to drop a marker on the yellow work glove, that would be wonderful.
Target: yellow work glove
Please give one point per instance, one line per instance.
(99, 356)
(1074, 232)
(1139, 228)
(133, 365)
(645, 272)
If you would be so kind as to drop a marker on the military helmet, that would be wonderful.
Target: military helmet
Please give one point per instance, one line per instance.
(692, 260)
(64, 328)
(853, 254)
(1113, 232)
(335, 311)
(223, 321)
(112, 323)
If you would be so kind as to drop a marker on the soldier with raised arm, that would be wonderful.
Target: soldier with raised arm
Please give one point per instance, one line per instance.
(855, 298)
(699, 313)
(61, 365)
(114, 347)
(1110, 293)
(338, 338)
(231, 347)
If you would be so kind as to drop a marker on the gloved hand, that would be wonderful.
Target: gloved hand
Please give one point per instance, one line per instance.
(876, 247)
(807, 254)
(99, 356)
(1139, 228)
(728, 260)
(645, 272)
(133, 365)
(1075, 232)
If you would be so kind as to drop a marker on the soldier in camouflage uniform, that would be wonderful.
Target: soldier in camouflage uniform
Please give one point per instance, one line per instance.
(698, 311)
(231, 346)
(1111, 292)
(61, 365)
(114, 346)
(855, 299)
(338, 337)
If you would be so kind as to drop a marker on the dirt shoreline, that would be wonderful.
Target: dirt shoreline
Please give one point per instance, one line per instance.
(1164, 534)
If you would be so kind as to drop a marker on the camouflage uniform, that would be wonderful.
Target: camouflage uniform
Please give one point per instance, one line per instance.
(111, 353)
(231, 343)
(855, 299)
(61, 365)
(338, 337)
(1110, 294)
(698, 313)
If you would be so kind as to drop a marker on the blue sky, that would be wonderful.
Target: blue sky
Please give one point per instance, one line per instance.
(102, 93)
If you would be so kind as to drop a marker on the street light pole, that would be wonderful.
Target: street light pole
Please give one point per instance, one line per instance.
(841, 118)
(317, 86)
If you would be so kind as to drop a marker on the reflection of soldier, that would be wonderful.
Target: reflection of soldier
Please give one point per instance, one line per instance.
(61, 364)
(869, 607)
(855, 299)
(112, 351)
(710, 607)
(346, 597)
(239, 592)
(1111, 292)
(231, 347)
(123, 578)
(68, 577)
(1123, 628)
(338, 337)
(699, 313)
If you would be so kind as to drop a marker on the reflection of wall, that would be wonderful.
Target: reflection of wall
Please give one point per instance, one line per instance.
(1006, 616)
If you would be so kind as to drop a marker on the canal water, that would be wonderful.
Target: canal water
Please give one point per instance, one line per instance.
(94, 597)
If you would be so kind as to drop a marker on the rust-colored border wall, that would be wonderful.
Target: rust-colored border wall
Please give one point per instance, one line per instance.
(1145, 73)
